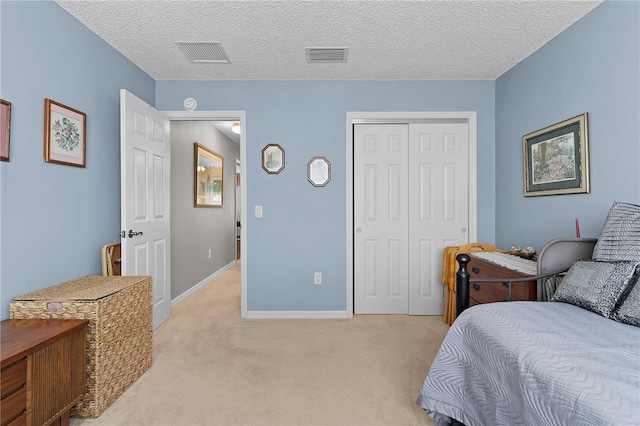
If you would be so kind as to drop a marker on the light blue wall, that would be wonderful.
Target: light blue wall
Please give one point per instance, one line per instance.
(303, 228)
(55, 218)
(594, 67)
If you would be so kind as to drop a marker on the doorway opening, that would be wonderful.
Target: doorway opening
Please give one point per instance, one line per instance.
(229, 119)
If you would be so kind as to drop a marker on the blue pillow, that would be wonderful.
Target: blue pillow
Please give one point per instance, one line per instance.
(597, 286)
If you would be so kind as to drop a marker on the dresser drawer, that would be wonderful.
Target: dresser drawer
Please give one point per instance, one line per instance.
(488, 292)
(497, 291)
(500, 290)
(14, 405)
(13, 377)
(21, 420)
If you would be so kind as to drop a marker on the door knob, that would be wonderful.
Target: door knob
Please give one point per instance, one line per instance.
(463, 230)
(358, 230)
(133, 234)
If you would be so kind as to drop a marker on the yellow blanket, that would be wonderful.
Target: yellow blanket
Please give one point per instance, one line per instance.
(449, 269)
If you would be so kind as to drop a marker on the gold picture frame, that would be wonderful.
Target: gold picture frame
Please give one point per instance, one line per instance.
(64, 134)
(556, 158)
(208, 175)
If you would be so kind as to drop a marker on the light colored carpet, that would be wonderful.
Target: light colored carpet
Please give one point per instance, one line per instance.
(210, 367)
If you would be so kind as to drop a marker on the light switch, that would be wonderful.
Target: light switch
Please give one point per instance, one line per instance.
(258, 211)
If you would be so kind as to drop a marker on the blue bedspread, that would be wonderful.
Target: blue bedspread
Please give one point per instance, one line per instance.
(535, 363)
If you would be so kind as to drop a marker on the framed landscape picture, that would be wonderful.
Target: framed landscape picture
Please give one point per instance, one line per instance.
(556, 159)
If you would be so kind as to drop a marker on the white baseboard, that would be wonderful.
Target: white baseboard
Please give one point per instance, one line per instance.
(297, 314)
(196, 287)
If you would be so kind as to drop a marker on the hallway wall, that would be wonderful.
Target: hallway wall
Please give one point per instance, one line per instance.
(195, 231)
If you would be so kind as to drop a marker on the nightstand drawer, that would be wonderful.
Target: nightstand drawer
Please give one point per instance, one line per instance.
(520, 290)
(497, 291)
(488, 292)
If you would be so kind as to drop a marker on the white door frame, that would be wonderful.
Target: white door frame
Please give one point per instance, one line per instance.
(229, 116)
(468, 117)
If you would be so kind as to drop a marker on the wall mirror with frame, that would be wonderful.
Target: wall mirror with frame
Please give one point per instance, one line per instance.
(273, 158)
(208, 177)
(319, 171)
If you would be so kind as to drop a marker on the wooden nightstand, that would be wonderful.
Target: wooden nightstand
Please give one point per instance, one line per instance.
(497, 291)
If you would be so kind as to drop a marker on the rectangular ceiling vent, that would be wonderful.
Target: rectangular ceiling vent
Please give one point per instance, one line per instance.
(327, 55)
(203, 52)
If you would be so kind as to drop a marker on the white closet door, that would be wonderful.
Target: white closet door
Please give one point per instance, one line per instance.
(411, 199)
(381, 218)
(438, 207)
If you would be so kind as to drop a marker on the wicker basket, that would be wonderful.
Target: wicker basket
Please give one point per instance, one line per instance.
(119, 335)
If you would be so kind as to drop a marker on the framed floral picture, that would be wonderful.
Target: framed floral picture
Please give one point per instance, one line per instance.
(556, 159)
(64, 134)
(5, 129)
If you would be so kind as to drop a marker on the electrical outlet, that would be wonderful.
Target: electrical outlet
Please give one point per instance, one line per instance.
(258, 211)
(317, 277)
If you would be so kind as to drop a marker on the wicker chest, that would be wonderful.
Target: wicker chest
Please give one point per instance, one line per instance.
(119, 335)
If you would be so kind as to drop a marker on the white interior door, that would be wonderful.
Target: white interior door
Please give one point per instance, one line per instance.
(411, 199)
(145, 154)
(438, 207)
(380, 218)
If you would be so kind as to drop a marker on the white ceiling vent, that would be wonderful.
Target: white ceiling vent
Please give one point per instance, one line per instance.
(203, 52)
(327, 55)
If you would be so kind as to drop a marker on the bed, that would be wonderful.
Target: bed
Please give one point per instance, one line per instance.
(574, 360)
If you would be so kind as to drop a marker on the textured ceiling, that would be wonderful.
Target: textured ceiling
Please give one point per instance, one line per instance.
(387, 40)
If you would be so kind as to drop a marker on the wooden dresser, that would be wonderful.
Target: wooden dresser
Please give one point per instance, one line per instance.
(497, 291)
(43, 370)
